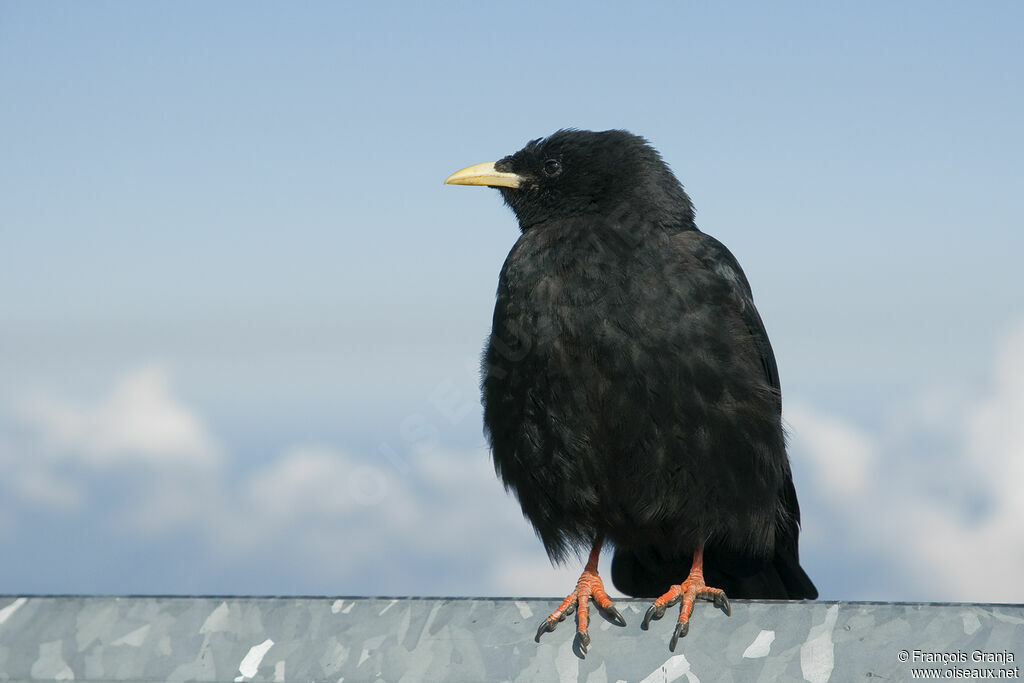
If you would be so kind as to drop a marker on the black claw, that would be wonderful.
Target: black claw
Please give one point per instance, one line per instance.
(682, 628)
(568, 611)
(653, 612)
(614, 614)
(723, 602)
(546, 626)
(584, 640)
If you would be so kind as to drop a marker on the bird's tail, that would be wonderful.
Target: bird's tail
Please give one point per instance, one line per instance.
(646, 575)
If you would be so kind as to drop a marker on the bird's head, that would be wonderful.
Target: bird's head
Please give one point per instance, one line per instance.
(575, 173)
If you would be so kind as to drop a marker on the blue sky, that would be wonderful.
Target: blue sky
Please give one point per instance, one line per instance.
(241, 314)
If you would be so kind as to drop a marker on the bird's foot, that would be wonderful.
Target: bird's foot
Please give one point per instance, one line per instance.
(589, 586)
(688, 591)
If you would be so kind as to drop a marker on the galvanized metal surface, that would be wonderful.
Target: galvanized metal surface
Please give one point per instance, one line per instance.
(430, 639)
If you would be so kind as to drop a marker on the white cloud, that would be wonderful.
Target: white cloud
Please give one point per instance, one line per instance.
(843, 456)
(312, 481)
(908, 512)
(361, 520)
(442, 508)
(42, 486)
(995, 428)
(139, 421)
(436, 520)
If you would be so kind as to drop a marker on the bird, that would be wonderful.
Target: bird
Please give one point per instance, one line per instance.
(630, 393)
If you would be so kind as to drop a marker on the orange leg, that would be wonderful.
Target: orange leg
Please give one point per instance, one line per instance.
(687, 591)
(589, 586)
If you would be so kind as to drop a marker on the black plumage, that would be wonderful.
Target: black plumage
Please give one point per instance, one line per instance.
(630, 391)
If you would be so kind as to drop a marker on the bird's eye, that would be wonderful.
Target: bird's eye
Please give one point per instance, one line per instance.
(552, 167)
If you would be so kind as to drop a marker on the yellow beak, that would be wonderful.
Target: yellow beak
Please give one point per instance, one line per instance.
(483, 174)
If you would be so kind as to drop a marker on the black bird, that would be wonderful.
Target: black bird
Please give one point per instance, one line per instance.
(630, 392)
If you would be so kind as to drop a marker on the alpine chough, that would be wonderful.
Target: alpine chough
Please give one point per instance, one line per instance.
(630, 392)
